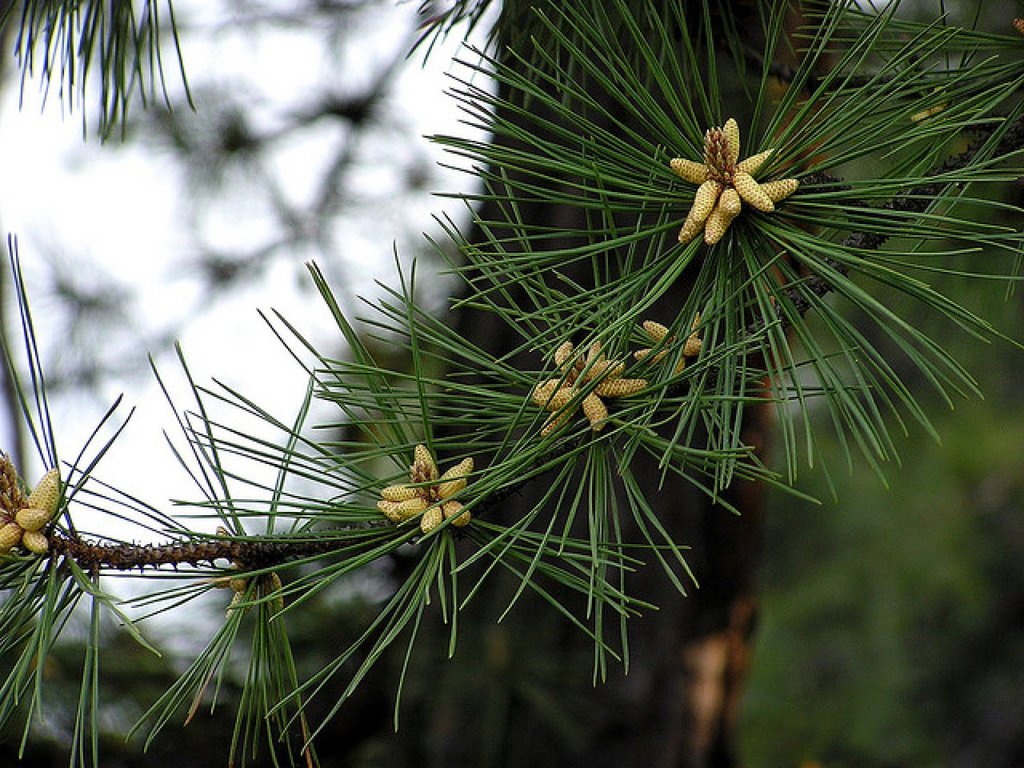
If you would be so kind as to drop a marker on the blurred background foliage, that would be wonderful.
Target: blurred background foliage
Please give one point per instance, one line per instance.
(892, 620)
(892, 629)
(892, 624)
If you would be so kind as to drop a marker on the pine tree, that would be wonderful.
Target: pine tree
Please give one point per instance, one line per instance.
(692, 225)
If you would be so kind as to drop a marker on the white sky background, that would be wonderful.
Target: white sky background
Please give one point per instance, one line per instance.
(117, 212)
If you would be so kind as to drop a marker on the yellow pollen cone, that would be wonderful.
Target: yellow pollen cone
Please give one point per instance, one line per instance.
(542, 393)
(553, 423)
(424, 469)
(751, 192)
(432, 518)
(719, 220)
(454, 509)
(46, 493)
(732, 138)
(730, 202)
(561, 398)
(693, 346)
(690, 229)
(388, 509)
(704, 201)
(655, 330)
(10, 537)
(35, 542)
(454, 480)
(563, 353)
(753, 163)
(780, 189)
(411, 507)
(622, 387)
(688, 170)
(399, 492)
(32, 519)
(595, 411)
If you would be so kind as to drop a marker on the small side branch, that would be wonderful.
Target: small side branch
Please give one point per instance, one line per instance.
(913, 201)
(250, 553)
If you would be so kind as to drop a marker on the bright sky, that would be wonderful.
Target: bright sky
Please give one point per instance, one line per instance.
(115, 211)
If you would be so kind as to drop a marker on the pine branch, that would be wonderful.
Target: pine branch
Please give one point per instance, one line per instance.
(248, 554)
(913, 201)
(702, 411)
(258, 553)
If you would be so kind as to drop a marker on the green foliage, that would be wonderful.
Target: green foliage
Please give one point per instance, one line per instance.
(769, 272)
(77, 43)
(898, 631)
(793, 309)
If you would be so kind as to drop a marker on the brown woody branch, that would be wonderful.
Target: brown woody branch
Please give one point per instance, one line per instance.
(245, 553)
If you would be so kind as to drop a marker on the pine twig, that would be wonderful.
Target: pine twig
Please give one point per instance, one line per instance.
(913, 201)
(252, 553)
